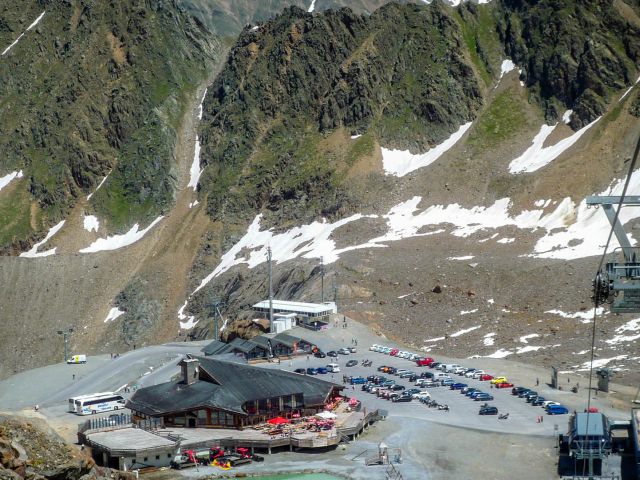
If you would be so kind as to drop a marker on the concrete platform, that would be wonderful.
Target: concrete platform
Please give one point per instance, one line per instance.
(128, 439)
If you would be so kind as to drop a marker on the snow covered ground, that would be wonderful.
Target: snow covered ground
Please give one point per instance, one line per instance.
(402, 162)
(98, 187)
(118, 241)
(537, 156)
(33, 253)
(6, 180)
(114, 313)
(91, 223)
(35, 22)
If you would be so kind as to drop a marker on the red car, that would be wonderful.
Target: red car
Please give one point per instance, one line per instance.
(394, 352)
(485, 377)
(504, 385)
(425, 362)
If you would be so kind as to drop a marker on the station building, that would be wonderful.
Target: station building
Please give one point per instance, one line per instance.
(221, 394)
(261, 347)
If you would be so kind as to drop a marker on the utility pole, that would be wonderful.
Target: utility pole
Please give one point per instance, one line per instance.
(270, 291)
(322, 279)
(65, 335)
(335, 290)
(216, 303)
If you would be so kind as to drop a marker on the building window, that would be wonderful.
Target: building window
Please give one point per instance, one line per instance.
(168, 455)
(146, 459)
(157, 457)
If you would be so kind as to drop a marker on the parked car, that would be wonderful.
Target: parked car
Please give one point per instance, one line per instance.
(402, 398)
(332, 353)
(538, 401)
(546, 403)
(406, 374)
(529, 397)
(394, 352)
(516, 390)
(473, 395)
(459, 370)
(498, 380)
(381, 368)
(387, 383)
(478, 373)
(446, 382)
(322, 370)
(526, 393)
(557, 410)
(333, 367)
(392, 370)
(504, 385)
(374, 347)
(412, 391)
(484, 377)
(358, 380)
(467, 389)
(422, 394)
(344, 351)
(434, 365)
(457, 386)
(470, 372)
(488, 410)
(320, 354)
(431, 384)
(301, 371)
(426, 374)
(396, 387)
(352, 363)
(424, 362)
(312, 371)
(353, 349)
(483, 397)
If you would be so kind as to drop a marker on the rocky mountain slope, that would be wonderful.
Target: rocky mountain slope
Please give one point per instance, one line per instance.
(93, 91)
(435, 158)
(30, 449)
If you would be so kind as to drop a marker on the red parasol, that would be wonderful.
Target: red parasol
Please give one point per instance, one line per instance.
(278, 421)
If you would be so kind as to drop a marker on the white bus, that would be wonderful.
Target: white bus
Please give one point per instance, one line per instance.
(99, 403)
(72, 400)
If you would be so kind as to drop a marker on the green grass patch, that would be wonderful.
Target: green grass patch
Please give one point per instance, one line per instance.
(360, 147)
(15, 214)
(502, 120)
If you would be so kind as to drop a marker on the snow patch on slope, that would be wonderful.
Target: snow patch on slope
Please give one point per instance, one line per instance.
(33, 253)
(118, 241)
(6, 180)
(91, 223)
(537, 156)
(402, 162)
(466, 330)
(114, 313)
(195, 171)
(186, 322)
(98, 187)
(35, 22)
(312, 7)
(585, 316)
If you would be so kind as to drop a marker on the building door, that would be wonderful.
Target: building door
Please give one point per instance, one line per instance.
(191, 422)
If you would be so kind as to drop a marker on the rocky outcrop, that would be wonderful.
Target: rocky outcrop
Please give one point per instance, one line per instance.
(400, 73)
(29, 450)
(572, 54)
(96, 88)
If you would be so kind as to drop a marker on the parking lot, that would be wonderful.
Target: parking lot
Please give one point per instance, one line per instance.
(463, 411)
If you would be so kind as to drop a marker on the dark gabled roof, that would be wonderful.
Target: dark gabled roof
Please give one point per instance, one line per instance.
(242, 345)
(214, 347)
(288, 340)
(235, 384)
(263, 341)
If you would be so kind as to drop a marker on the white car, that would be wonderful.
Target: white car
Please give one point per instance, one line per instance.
(419, 395)
(478, 373)
(546, 403)
(374, 347)
(402, 370)
(414, 356)
(459, 370)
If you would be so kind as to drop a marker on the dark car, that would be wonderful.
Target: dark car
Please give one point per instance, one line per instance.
(435, 365)
(474, 394)
(528, 395)
(322, 370)
(538, 401)
(469, 390)
(524, 392)
(352, 363)
(458, 386)
(426, 374)
(312, 371)
(483, 397)
(412, 378)
(358, 380)
(392, 370)
(396, 387)
(332, 353)
(300, 370)
(411, 391)
(517, 390)
(488, 411)
(320, 354)
(407, 374)
(401, 398)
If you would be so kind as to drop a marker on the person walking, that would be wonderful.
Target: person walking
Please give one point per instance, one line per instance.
(537, 382)
(74, 376)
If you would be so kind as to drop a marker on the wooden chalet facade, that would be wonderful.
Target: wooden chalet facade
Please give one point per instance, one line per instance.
(219, 394)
